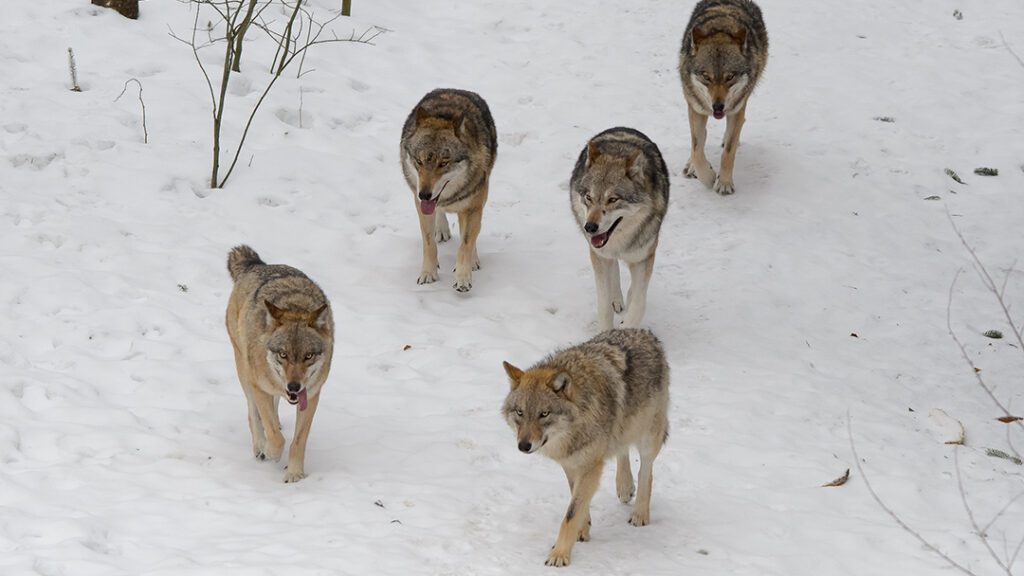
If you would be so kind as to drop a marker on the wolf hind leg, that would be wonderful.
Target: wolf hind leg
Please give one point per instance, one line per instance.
(650, 445)
(442, 231)
(624, 487)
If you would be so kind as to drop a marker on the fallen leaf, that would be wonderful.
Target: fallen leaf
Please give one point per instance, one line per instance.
(986, 171)
(407, 347)
(994, 334)
(954, 176)
(838, 481)
(1009, 419)
(854, 334)
(1000, 454)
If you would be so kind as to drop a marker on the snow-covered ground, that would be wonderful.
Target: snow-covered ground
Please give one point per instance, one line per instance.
(124, 448)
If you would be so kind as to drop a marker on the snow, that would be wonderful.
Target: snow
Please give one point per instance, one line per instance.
(815, 296)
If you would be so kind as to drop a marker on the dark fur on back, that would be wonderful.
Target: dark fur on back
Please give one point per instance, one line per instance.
(449, 103)
(725, 16)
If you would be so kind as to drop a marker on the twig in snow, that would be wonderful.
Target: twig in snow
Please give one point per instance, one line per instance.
(145, 132)
(1010, 50)
(893, 515)
(970, 514)
(74, 71)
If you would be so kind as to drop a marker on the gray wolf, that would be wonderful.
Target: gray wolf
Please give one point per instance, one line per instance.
(448, 148)
(585, 404)
(282, 332)
(724, 52)
(619, 195)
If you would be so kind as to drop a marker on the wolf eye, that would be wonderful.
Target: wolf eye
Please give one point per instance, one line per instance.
(613, 200)
(282, 355)
(519, 412)
(705, 76)
(587, 198)
(545, 414)
(729, 77)
(310, 356)
(443, 163)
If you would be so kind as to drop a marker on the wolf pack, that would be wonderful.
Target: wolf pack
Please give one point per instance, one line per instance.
(581, 405)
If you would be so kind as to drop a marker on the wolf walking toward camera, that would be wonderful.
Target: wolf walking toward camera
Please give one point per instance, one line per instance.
(282, 332)
(724, 51)
(585, 404)
(619, 195)
(448, 148)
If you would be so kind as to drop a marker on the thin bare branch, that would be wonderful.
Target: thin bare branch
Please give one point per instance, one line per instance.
(1001, 512)
(970, 513)
(1010, 50)
(963, 352)
(887, 510)
(989, 283)
(145, 131)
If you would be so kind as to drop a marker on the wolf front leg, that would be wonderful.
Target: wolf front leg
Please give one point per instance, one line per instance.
(274, 445)
(584, 485)
(469, 229)
(428, 273)
(639, 279)
(602, 280)
(698, 166)
(734, 123)
(297, 452)
(649, 447)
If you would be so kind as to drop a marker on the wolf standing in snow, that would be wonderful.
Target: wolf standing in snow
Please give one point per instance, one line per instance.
(585, 404)
(282, 332)
(724, 51)
(619, 195)
(448, 149)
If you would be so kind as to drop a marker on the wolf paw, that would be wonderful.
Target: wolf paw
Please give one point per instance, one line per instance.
(462, 285)
(705, 174)
(292, 477)
(427, 276)
(442, 235)
(556, 558)
(724, 188)
(626, 492)
(584, 535)
(639, 519)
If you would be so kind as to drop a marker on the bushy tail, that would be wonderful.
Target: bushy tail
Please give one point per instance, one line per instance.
(241, 259)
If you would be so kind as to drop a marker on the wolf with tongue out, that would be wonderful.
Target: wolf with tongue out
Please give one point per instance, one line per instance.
(282, 332)
(448, 148)
(619, 195)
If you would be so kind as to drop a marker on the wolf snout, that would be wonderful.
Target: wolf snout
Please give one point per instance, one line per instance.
(425, 194)
(718, 110)
(525, 446)
(294, 387)
(590, 227)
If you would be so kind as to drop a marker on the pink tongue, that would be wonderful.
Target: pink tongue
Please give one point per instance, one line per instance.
(428, 206)
(302, 400)
(599, 239)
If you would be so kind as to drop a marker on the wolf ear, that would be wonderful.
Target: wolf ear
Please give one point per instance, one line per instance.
(514, 374)
(458, 125)
(561, 383)
(593, 153)
(697, 37)
(275, 312)
(634, 168)
(314, 316)
(421, 115)
(740, 38)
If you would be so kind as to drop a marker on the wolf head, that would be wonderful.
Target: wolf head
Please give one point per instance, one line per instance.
(539, 407)
(719, 71)
(295, 351)
(439, 156)
(610, 190)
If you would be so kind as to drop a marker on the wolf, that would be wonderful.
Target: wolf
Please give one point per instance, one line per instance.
(724, 52)
(282, 332)
(448, 147)
(619, 195)
(585, 404)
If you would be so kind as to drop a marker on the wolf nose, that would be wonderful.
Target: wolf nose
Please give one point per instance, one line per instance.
(524, 446)
(425, 194)
(590, 227)
(718, 108)
(294, 387)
